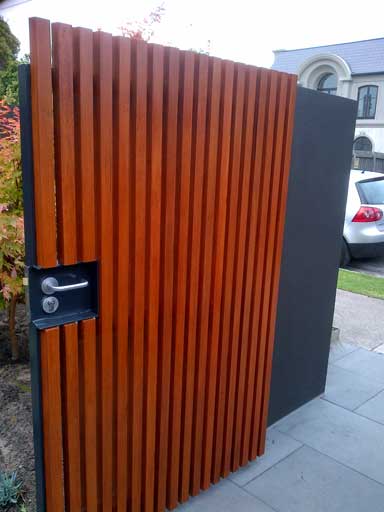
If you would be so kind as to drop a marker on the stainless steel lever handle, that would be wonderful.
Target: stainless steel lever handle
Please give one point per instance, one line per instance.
(50, 285)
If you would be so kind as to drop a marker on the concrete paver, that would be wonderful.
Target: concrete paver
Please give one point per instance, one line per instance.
(340, 349)
(278, 447)
(373, 408)
(322, 457)
(332, 430)
(308, 481)
(225, 497)
(364, 363)
(348, 389)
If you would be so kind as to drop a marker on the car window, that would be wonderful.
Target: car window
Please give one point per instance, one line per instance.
(371, 191)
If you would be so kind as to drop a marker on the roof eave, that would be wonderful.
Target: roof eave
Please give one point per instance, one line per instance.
(369, 73)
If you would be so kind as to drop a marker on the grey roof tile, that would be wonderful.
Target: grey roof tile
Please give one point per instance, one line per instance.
(362, 56)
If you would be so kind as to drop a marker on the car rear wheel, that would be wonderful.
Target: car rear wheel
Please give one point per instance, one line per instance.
(345, 257)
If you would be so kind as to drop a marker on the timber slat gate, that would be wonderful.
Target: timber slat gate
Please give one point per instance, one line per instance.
(170, 169)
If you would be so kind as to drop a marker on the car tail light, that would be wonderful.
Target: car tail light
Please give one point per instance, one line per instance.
(368, 214)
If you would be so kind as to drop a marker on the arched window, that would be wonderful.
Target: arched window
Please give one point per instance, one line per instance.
(367, 99)
(362, 144)
(328, 84)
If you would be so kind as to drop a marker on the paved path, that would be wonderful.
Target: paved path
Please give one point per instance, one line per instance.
(326, 456)
(360, 319)
(374, 266)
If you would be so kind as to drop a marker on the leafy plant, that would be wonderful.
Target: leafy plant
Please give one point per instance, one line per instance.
(10, 489)
(144, 29)
(9, 44)
(11, 218)
(9, 84)
(9, 49)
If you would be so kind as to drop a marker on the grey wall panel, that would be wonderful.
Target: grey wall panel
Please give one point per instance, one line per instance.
(321, 159)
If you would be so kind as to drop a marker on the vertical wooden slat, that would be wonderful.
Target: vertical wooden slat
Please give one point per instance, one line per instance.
(86, 251)
(261, 254)
(235, 190)
(239, 219)
(139, 272)
(72, 452)
(45, 218)
(84, 144)
(285, 167)
(270, 245)
(104, 187)
(43, 148)
(92, 470)
(206, 270)
(63, 99)
(170, 152)
(237, 363)
(185, 129)
(222, 193)
(257, 204)
(189, 359)
(122, 72)
(64, 142)
(52, 418)
(156, 138)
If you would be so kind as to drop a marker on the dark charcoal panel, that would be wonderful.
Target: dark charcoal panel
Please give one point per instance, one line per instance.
(321, 159)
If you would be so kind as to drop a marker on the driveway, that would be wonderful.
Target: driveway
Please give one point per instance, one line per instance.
(360, 319)
(374, 266)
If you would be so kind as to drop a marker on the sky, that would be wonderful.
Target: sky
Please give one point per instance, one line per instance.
(242, 30)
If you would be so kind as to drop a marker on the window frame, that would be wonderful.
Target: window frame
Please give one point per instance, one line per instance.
(332, 91)
(363, 137)
(368, 86)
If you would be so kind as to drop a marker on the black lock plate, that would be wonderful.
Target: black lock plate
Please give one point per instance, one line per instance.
(73, 305)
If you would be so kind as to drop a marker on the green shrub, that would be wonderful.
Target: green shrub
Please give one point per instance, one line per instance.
(11, 218)
(10, 490)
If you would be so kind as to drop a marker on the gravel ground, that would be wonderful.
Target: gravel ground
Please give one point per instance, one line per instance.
(16, 435)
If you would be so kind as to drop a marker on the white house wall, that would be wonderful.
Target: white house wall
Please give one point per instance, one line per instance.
(371, 128)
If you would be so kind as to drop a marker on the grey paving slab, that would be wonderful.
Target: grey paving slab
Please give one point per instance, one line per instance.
(278, 446)
(343, 435)
(374, 408)
(349, 389)
(307, 481)
(359, 318)
(340, 349)
(224, 497)
(365, 363)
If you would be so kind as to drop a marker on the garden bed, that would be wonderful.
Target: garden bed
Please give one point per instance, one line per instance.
(16, 435)
(21, 333)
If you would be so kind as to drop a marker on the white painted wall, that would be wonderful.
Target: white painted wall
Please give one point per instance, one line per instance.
(371, 128)
(348, 86)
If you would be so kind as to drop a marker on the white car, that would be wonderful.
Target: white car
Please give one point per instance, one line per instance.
(363, 235)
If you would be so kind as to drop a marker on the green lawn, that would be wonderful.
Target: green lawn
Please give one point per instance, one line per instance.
(361, 283)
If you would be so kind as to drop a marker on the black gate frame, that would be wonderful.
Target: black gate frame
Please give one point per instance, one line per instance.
(25, 103)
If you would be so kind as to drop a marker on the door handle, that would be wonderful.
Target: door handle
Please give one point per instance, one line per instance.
(50, 285)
